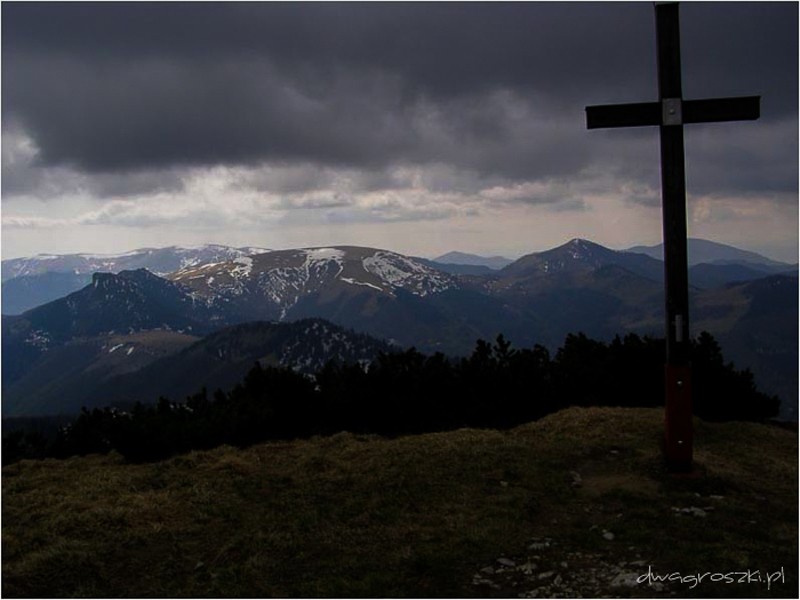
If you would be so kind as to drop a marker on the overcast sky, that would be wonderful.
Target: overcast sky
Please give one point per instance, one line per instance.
(417, 127)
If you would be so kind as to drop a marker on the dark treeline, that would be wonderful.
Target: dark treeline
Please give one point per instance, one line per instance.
(408, 392)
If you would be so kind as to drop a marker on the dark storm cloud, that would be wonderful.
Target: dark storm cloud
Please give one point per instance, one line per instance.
(156, 111)
(492, 89)
(442, 48)
(744, 159)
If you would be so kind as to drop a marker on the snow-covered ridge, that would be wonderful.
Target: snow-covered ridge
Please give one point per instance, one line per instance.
(161, 261)
(297, 269)
(283, 277)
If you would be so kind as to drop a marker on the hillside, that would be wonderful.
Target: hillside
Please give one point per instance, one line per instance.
(120, 370)
(223, 359)
(52, 342)
(576, 504)
(756, 323)
(67, 377)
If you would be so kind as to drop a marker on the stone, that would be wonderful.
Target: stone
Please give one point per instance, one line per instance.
(539, 545)
(506, 562)
(625, 579)
(577, 480)
(528, 568)
(546, 574)
(487, 570)
(607, 535)
(692, 510)
(638, 563)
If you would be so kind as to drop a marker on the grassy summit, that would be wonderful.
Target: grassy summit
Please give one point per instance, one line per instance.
(576, 504)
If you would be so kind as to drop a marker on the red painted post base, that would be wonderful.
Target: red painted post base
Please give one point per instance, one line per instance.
(678, 438)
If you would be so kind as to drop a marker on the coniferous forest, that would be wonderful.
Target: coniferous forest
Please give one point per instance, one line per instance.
(408, 392)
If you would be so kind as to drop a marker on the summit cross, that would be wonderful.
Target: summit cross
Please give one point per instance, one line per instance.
(670, 113)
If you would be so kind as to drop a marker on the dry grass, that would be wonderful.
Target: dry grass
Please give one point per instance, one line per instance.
(355, 516)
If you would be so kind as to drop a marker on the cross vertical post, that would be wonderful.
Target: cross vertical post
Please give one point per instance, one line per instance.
(677, 376)
(669, 114)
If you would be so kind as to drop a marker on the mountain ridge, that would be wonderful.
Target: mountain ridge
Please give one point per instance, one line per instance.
(538, 299)
(465, 258)
(31, 281)
(707, 251)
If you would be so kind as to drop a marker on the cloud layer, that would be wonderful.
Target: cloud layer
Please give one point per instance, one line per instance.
(342, 112)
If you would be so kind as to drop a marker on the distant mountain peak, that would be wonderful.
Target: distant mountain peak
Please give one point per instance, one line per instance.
(581, 255)
(580, 242)
(464, 258)
(707, 251)
(580, 248)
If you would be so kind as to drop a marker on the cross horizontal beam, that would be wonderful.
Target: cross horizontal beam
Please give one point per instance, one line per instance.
(643, 114)
(746, 108)
(640, 114)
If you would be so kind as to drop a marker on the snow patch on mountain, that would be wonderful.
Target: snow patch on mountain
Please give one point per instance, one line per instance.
(323, 254)
(352, 281)
(401, 272)
(245, 266)
(39, 339)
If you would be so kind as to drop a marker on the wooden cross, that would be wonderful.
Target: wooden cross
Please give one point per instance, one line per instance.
(670, 113)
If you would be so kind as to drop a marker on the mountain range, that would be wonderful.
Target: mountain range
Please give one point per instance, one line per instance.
(59, 355)
(31, 281)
